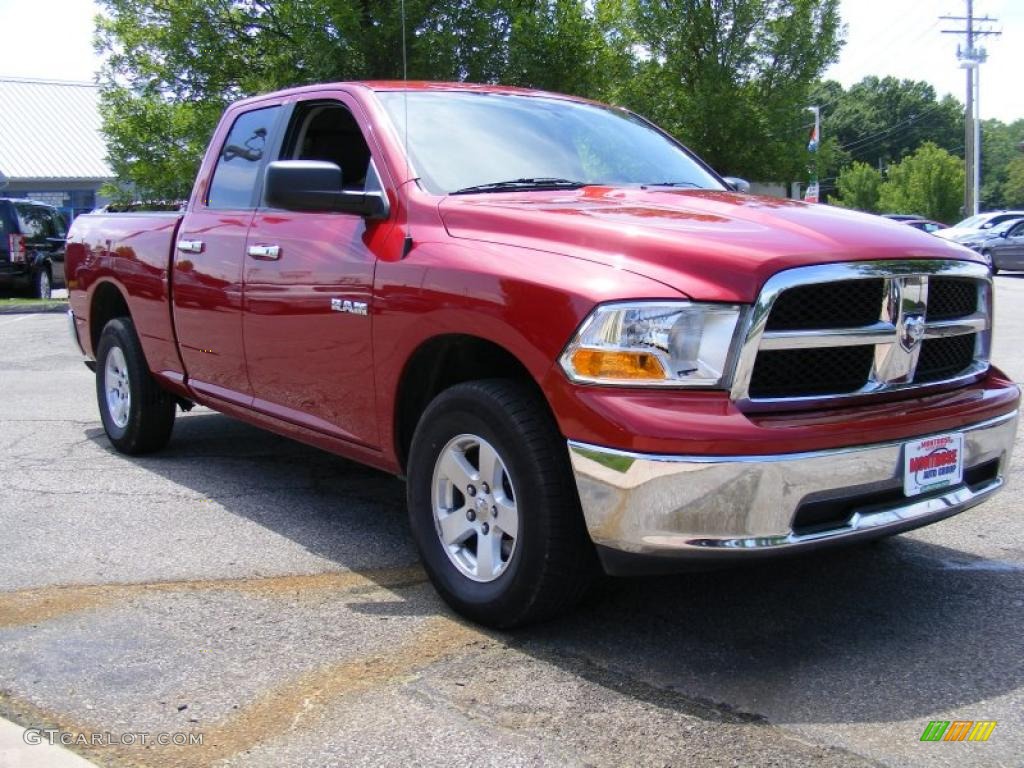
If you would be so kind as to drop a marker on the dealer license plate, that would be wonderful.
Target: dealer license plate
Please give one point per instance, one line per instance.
(933, 463)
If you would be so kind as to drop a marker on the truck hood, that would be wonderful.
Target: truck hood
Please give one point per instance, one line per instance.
(707, 244)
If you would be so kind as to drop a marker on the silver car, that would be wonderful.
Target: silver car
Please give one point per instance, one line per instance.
(1006, 249)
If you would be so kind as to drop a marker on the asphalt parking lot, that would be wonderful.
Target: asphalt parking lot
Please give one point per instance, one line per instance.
(267, 596)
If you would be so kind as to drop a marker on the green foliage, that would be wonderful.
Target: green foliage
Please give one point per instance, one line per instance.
(731, 79)
(929, 182)
(884, 119)
(154, 144)
(881, 120)
(859, 186)
(999, 147)
(728, 77)
(1013, 187)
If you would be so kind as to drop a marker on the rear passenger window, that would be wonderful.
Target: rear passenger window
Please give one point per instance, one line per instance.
(45, 217)
(241, 158)
(32, 221)
(57, 224)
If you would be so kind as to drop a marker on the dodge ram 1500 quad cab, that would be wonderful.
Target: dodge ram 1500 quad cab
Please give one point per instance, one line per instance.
(579, 344)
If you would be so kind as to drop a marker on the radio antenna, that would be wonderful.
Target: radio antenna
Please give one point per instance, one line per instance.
(407, 244)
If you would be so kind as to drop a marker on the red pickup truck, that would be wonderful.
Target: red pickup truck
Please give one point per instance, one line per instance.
(579, 344)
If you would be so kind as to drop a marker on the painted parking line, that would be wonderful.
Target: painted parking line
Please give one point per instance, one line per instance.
(27, 748)
(15, 319)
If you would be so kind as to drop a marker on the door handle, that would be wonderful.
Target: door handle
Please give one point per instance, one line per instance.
(265, 252)
(190, 246)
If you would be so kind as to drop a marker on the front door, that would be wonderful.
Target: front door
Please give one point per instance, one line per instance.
(209, 253)
(1015, 246)
(308, 290)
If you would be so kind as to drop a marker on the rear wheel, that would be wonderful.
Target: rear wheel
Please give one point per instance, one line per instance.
(42, 284)
(493, 506)
(137, 414)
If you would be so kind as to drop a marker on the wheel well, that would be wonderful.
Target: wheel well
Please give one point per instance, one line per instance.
(107, 303)
(439, 364)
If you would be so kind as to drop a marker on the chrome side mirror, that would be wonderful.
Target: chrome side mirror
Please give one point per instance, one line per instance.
(737, 184)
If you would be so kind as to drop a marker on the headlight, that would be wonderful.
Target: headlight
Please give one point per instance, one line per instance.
(670, 343)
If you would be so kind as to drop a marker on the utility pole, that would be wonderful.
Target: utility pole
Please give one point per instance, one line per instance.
(971, 59)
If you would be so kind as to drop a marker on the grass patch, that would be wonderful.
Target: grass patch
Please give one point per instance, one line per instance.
(15, 303)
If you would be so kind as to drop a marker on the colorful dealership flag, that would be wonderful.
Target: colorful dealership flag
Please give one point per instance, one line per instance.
(812, 145)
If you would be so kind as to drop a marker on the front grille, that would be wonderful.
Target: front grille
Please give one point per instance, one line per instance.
(846, 304)
(945, 358)
(951, 297)
(864, 328)
(808, 372)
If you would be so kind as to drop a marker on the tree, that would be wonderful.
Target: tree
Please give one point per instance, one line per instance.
(999, 143)
(731, 78)
(1013, 187)
(728, 77)
(884, 119)
(929, 182)
(881, 120)
(858, 186)
(173, 65)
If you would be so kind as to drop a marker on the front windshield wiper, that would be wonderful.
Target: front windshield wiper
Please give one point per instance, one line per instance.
(671, 184)
(519, 184)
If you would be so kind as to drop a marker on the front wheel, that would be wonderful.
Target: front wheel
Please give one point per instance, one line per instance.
(137, 414)
(493, 507)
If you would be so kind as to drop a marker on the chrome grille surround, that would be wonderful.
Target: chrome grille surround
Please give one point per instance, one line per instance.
(897, 335)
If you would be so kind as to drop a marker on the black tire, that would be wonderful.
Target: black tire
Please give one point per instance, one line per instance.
(150, 410)
(42, 283)
(553, 561)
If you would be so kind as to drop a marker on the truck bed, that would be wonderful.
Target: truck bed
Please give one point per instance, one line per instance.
(135, 252)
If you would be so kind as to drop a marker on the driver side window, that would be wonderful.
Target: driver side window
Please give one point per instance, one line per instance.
(327, 131)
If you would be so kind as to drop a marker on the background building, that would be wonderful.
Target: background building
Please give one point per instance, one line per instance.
(51, 148)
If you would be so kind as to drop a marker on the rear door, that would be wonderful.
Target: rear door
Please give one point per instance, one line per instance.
(33, 223)
(308, 283)
(57, 238)
(209, 254)
(8, 228)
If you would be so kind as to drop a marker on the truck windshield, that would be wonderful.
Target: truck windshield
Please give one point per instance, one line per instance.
(486, 142)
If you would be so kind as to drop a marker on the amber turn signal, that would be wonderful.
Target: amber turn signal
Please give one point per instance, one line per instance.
(609, 364)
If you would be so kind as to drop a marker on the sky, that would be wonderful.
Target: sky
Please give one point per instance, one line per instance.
(904, 38)
(884, 37)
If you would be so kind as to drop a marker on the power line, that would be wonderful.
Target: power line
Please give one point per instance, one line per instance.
(884, 133)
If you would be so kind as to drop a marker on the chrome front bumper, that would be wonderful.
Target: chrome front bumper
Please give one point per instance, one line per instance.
(735, 506)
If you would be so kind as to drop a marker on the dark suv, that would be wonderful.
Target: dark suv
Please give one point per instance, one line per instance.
(32, 239)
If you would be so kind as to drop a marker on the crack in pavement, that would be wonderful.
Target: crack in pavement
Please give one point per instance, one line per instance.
(32, 606)
(279, 710)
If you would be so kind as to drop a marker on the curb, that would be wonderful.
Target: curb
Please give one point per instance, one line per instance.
(28, 309)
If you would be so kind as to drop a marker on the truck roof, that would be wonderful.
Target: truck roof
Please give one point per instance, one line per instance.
(417, 85)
